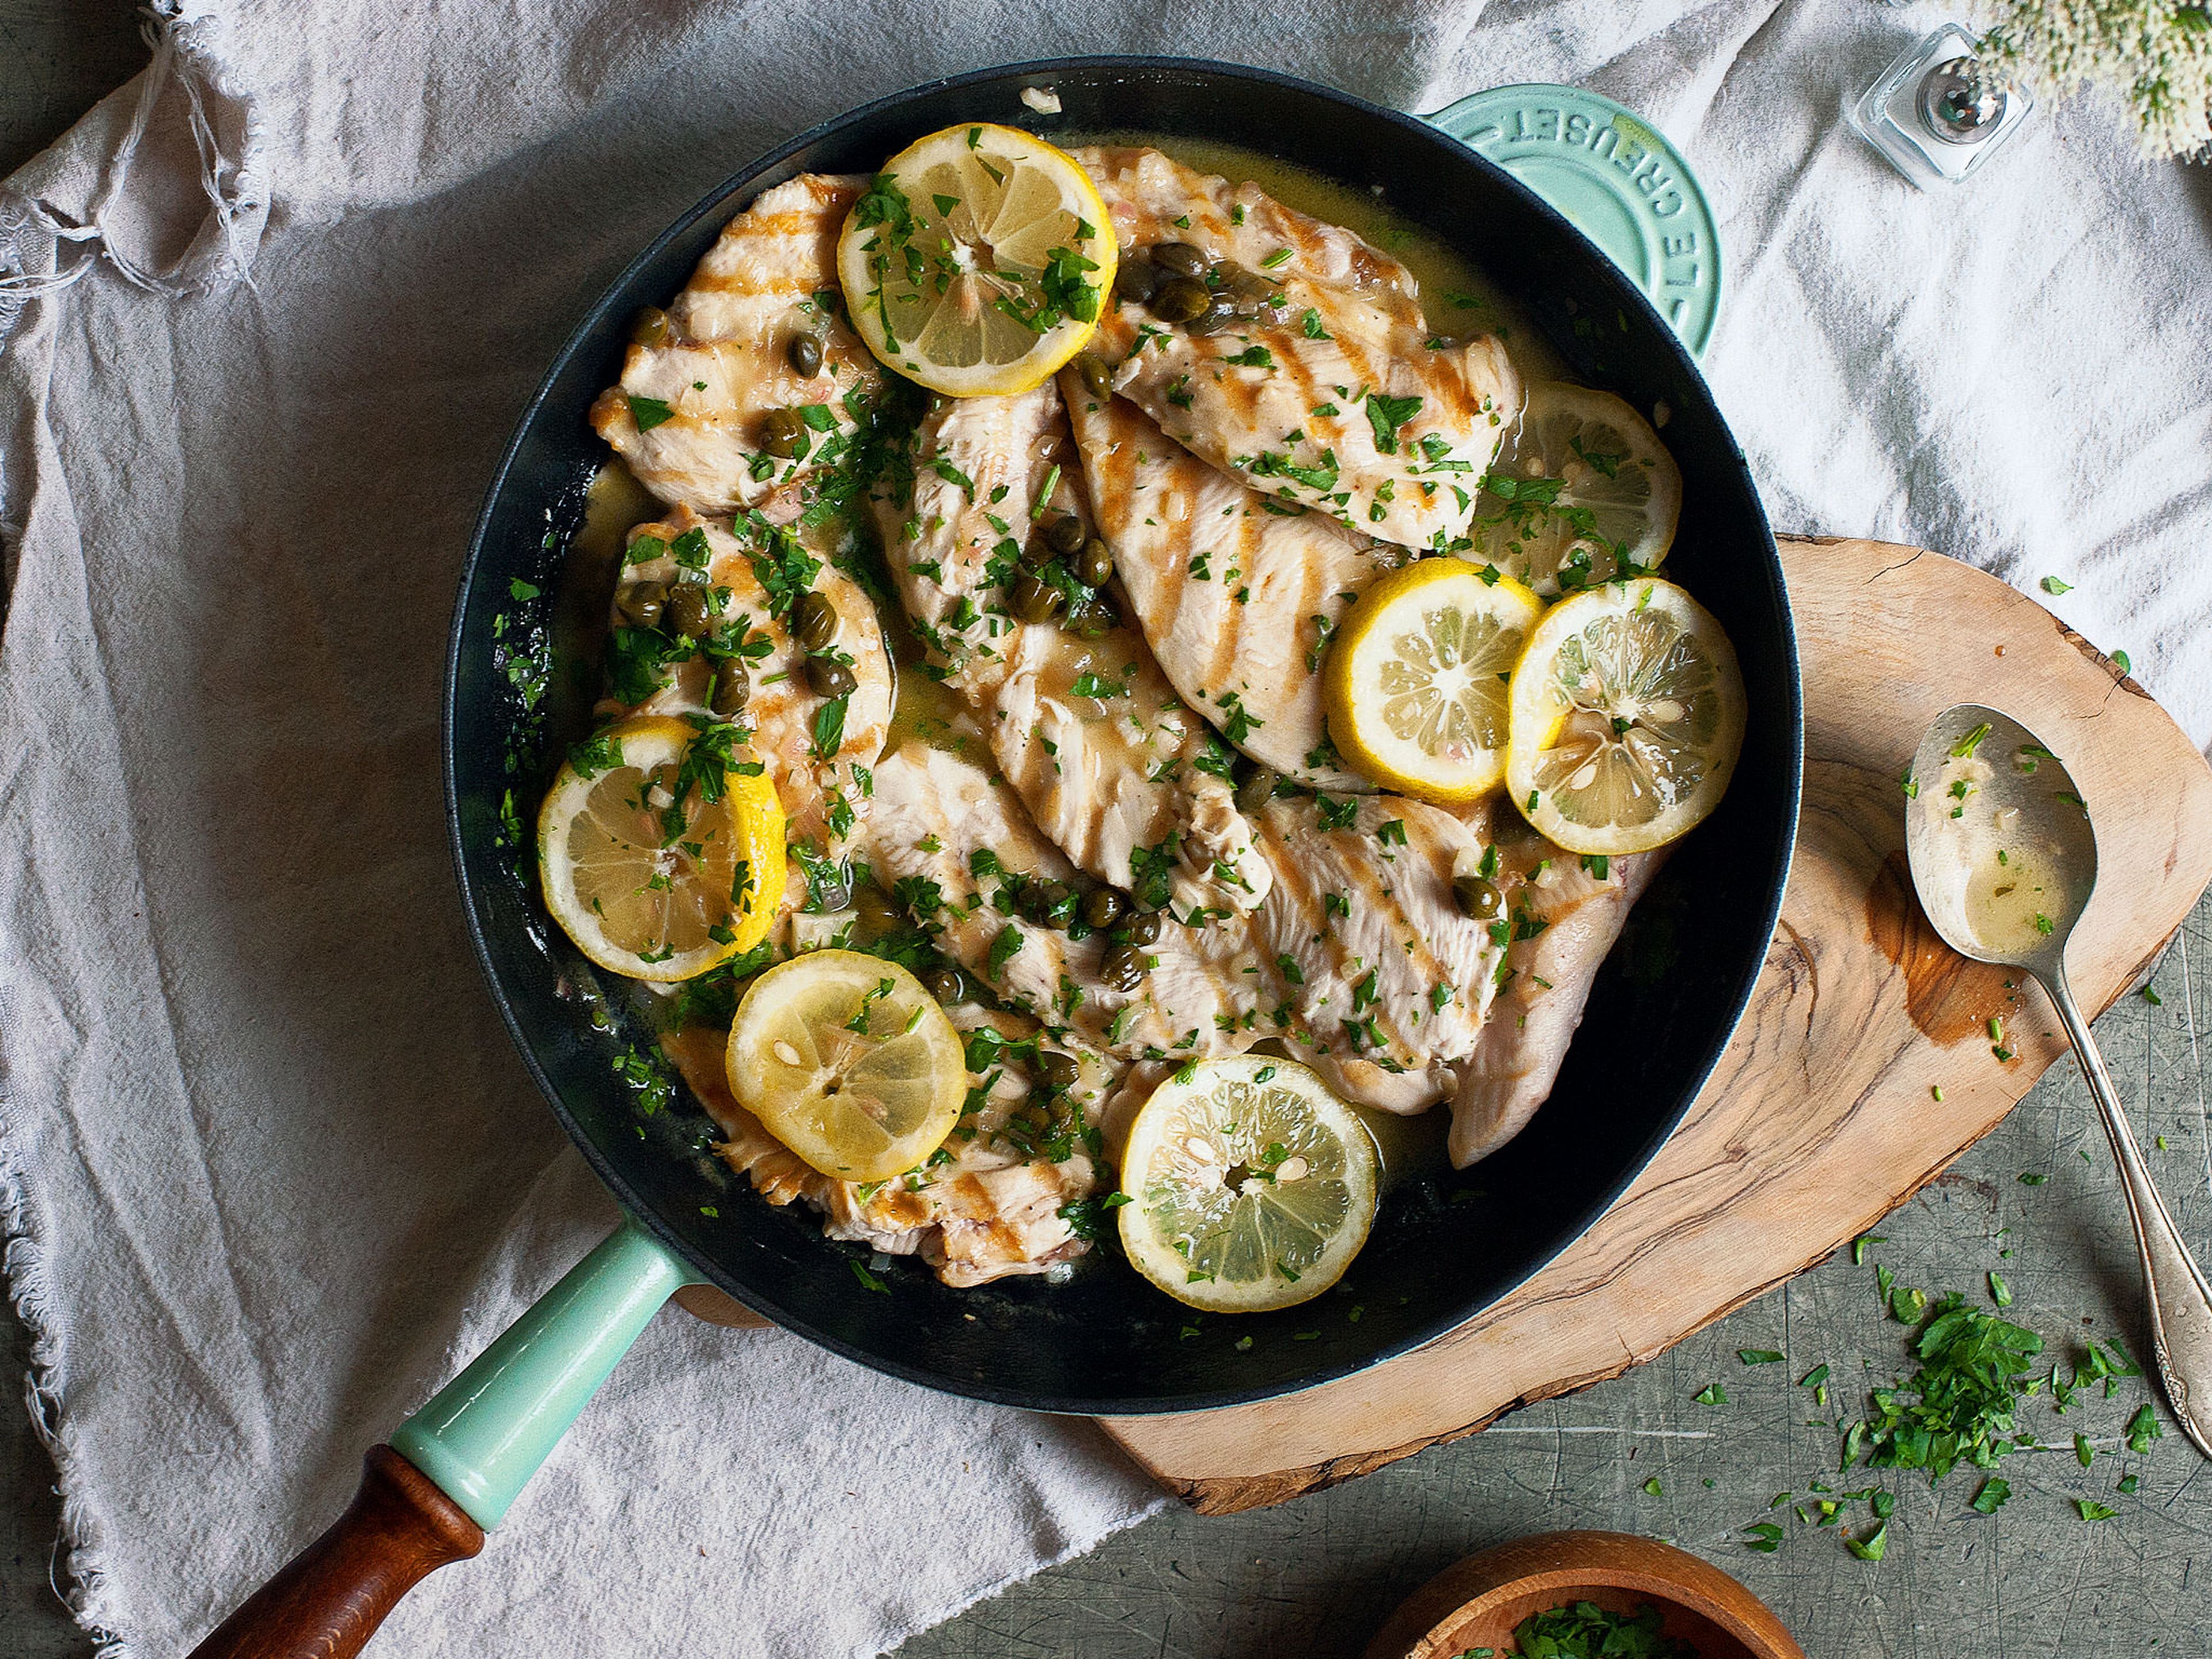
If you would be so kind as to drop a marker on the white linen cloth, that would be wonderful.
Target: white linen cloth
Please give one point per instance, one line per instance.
(270, 1170)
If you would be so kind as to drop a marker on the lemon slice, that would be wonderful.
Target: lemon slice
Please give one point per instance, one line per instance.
(1415, 684)
(846, 1059)
(1627, 717)
(659, 855)
(1582, 478)
(977, 261)
(1250, 1186)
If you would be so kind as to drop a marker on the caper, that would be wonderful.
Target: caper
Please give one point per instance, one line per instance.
(1060, 1071)
(1124, 968)
(1029, 896)
(1048, 900)
(814, 621)
(1092, 618)
(1256, 790)
(689, 610)
(649, 327)
(640, 604)
(828, 677)
(945, 984)
(805, 352)
(1066, 534)
(1479, 898)
(784, 433)
(1247, 284)
(1094, 565)
(1181, 260)
(1180, 299)
(879, 912)
(1098, 378)
(1036, 553)
(1220, 313)
(1102, 906)
(1136, 278)
(1034, 600)
(733, 688)
(1145, 929)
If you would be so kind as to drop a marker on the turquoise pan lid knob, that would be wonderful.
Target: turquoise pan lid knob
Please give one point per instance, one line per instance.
(1615, 178)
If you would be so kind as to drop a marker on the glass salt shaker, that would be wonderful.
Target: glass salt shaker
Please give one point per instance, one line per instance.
(1938, 112)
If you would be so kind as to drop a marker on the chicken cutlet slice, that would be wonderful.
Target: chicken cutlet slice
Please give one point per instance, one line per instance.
(953, 842)
(1386, 983)
(1359, 958)
(1112, 766)
(691, 413)
(1237, 595)
(818, 749)
(1153, 198)
(1566, 920)
(1332, 393)
(990, 1203)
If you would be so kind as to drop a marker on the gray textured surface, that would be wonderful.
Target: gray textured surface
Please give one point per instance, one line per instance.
(1317, 1576)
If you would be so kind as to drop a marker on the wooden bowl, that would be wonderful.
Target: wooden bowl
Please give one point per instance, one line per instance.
(1477, 1602)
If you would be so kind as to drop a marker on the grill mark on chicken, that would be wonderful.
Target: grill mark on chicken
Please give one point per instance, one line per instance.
(1114, 780)
(724, 369)
(1163, 511)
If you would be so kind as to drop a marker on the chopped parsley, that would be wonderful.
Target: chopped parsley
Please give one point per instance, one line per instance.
(829, 727)
(1387, 416)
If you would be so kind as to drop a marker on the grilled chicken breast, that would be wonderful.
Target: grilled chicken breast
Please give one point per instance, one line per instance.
(991, 1204)
(1548, 985)
(1333, 393)
(1236, 594)
(953, 841)
(820, 787)
(1385, 981)
(692, 410)
(1110, 763)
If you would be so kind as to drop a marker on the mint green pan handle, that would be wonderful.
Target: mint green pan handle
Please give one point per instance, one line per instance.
(455, 1466)
(487, 1431)
(1613, 177)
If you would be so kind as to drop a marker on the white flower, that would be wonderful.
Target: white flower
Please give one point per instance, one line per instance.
(2156, 55)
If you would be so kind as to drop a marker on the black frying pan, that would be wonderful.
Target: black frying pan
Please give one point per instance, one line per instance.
(521, 680)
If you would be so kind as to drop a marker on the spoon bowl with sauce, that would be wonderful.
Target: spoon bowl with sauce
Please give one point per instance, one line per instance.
(2004, 860)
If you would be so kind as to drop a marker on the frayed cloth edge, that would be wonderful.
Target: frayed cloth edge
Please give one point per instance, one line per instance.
(220, 253)
(81, 1546)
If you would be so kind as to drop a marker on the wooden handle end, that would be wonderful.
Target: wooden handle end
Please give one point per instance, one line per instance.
(328, 1600)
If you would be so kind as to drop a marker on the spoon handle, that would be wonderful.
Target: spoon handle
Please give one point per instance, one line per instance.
(2180, 1301)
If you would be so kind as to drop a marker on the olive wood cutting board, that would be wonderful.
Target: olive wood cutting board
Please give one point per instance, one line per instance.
(1821, 1116)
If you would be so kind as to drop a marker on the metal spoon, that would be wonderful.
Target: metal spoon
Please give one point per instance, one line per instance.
(2004, 859)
